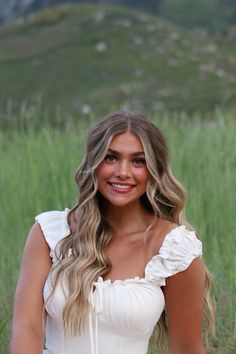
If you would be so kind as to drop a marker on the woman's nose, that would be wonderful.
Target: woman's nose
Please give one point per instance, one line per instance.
(123, 170)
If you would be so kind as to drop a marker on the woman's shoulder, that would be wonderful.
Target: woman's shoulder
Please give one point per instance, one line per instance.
(51, 215)
(172, 233)
(180, 246)
(54, 227)
(182, 242)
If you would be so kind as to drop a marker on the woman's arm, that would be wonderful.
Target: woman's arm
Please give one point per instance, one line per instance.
(28, 317)
(184, 296)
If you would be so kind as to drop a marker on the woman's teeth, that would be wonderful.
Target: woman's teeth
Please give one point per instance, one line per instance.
(121, 186)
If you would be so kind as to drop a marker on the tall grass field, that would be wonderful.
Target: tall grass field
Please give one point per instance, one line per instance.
(37, 174)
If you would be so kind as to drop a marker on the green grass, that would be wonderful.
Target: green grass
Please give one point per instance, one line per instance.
(147, 64)
(37, 168)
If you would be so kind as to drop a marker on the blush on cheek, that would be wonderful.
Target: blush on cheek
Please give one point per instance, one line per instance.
(102, 167)
(104, 170)
(143, 174)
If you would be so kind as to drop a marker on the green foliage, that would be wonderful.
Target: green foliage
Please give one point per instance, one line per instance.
(37, 168)
(87, 58)
(211, 15)
(48, 16)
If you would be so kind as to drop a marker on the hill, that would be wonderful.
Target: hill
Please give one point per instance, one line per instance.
(10, 9)
(96, 58)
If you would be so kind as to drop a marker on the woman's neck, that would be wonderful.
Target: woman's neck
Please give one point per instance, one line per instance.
(128, 219)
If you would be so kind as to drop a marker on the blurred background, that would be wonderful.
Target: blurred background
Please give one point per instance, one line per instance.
(63, 64)
(91, 56)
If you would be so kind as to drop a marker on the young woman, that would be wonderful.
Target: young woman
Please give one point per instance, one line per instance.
(103, 274)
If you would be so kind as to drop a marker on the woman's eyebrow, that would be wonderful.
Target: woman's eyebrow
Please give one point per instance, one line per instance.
(137, 153)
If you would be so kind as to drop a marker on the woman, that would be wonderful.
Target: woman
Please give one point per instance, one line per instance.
(102, 273)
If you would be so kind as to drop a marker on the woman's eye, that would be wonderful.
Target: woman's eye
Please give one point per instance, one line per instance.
(110, 158)
(139, 162)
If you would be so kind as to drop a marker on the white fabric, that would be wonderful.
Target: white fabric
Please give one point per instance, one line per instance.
(124, 312)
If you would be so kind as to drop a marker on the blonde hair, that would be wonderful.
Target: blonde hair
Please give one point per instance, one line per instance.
(82, 254)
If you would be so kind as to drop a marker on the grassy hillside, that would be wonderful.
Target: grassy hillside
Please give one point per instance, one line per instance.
(91, 58)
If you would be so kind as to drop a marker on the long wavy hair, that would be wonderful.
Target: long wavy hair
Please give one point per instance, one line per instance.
(82, 254)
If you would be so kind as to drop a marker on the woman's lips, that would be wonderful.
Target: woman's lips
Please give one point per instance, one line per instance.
(121, 187)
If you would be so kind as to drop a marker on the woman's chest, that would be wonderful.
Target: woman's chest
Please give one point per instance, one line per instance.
(132, 304)
(129, 258)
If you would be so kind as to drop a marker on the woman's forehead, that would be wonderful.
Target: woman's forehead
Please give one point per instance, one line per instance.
(126, 142)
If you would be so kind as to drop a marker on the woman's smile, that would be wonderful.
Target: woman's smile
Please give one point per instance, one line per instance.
(119, 187)
(123, 174)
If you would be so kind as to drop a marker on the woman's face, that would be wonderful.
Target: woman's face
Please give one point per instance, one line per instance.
(123, 174)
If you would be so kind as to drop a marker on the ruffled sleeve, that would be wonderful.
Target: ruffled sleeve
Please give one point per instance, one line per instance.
(179, 249)
(55, 227)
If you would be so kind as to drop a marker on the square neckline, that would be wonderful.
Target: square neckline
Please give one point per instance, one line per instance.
(153, 258)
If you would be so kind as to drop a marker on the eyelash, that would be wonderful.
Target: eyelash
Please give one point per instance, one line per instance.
(110, 158)
(139, 161)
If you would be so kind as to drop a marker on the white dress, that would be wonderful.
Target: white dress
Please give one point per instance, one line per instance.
(124, 312)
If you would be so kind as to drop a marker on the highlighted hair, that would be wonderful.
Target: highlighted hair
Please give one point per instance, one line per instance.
(82, 254)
